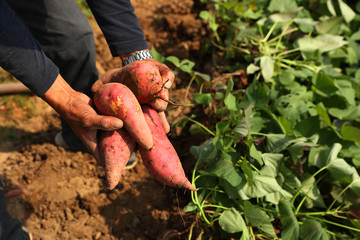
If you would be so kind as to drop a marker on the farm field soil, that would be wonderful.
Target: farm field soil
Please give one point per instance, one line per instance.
(65, 194)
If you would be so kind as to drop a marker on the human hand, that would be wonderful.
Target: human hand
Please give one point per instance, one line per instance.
(126, 75)
(77, 109)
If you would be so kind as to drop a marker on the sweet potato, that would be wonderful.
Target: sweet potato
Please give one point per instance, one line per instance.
(162, 160)
(115, 150)
(144, 80)
(116, 99)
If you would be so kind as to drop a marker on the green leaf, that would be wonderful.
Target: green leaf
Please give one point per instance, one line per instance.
(291, 180)
(157, 55)
(222, 128)
(257, 95)
(254, 153)
(195, 129)
(322, 43)
(253, 15)
(276, 197)
(280, 5)
(346, 91)
(278, 142)
(203, 98)
(350, 133)
(241, 129)
(346, 11)
(289, 222)
(324, 85)
(223, 199)
(231, 221)
(329, 25)
(312, 192)
(272, 164)
(245, 167)
(306, 24)
(229, 87)
(285, 16)
(286, 77)
(341, 170)
(308, 126)
(206, 15)
(258, 218)
(225, 169)
(207, 152)
(200, 78)
(267, 67)
(321, 111)
(230, 102)
(184, 65)
(330, 7)
(251, 69)
(191, 207)
(313, 230)
(293, 105)
(261, 186)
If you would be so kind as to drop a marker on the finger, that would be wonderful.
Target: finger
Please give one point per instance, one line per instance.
(97, 155)
(158, 104)
(98, 84)
(166, 74)
(168, 77)
(92, 145)
(106, 123)
(164, 122)
(114, 75)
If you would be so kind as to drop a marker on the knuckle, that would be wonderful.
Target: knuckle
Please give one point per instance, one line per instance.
(105, 122)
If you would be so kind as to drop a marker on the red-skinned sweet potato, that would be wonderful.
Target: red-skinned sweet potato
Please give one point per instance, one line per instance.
(116, 148)
(162, 160)
(116, 99)
(144, 79)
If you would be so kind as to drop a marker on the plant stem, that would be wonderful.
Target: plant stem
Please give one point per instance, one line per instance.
(306, 182)
(215, 206)
(304, 198)
(335, 223)
(342, 192)
(188, 87)
(201, 125)
(320, 213)
(269, 32)
(194, 195)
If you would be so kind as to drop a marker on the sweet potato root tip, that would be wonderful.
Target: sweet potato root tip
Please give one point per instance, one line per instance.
(116, 148)
(162, 160)
(172, 103)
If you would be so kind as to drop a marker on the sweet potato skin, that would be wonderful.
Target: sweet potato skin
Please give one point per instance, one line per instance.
(162, 160)
(115, 148)
(144, 80)
(116, 99)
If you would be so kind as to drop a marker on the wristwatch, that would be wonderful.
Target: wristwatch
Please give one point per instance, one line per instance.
(141, 55)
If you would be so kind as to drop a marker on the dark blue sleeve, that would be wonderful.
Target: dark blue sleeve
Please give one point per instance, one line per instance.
(21, 54)
(119, 24)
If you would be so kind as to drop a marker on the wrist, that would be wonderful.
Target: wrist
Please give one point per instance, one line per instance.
(128, 58)
(125, 55)
(59, 94)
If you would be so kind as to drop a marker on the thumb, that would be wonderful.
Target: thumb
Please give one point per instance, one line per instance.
(107, 123)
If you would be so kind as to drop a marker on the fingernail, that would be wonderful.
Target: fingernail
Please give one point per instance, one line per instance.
(117, 123)
(168, 84)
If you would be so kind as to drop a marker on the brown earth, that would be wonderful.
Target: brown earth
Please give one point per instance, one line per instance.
(65, 195)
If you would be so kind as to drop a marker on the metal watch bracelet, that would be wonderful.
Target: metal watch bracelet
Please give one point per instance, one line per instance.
(141, 55)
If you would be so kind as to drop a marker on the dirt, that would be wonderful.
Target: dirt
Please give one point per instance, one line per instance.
(64, 192)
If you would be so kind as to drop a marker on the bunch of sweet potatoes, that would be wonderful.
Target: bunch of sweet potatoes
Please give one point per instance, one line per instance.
(142, 128)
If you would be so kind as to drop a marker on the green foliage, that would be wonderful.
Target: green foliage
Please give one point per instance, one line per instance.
(84, 7)
(286, 148)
